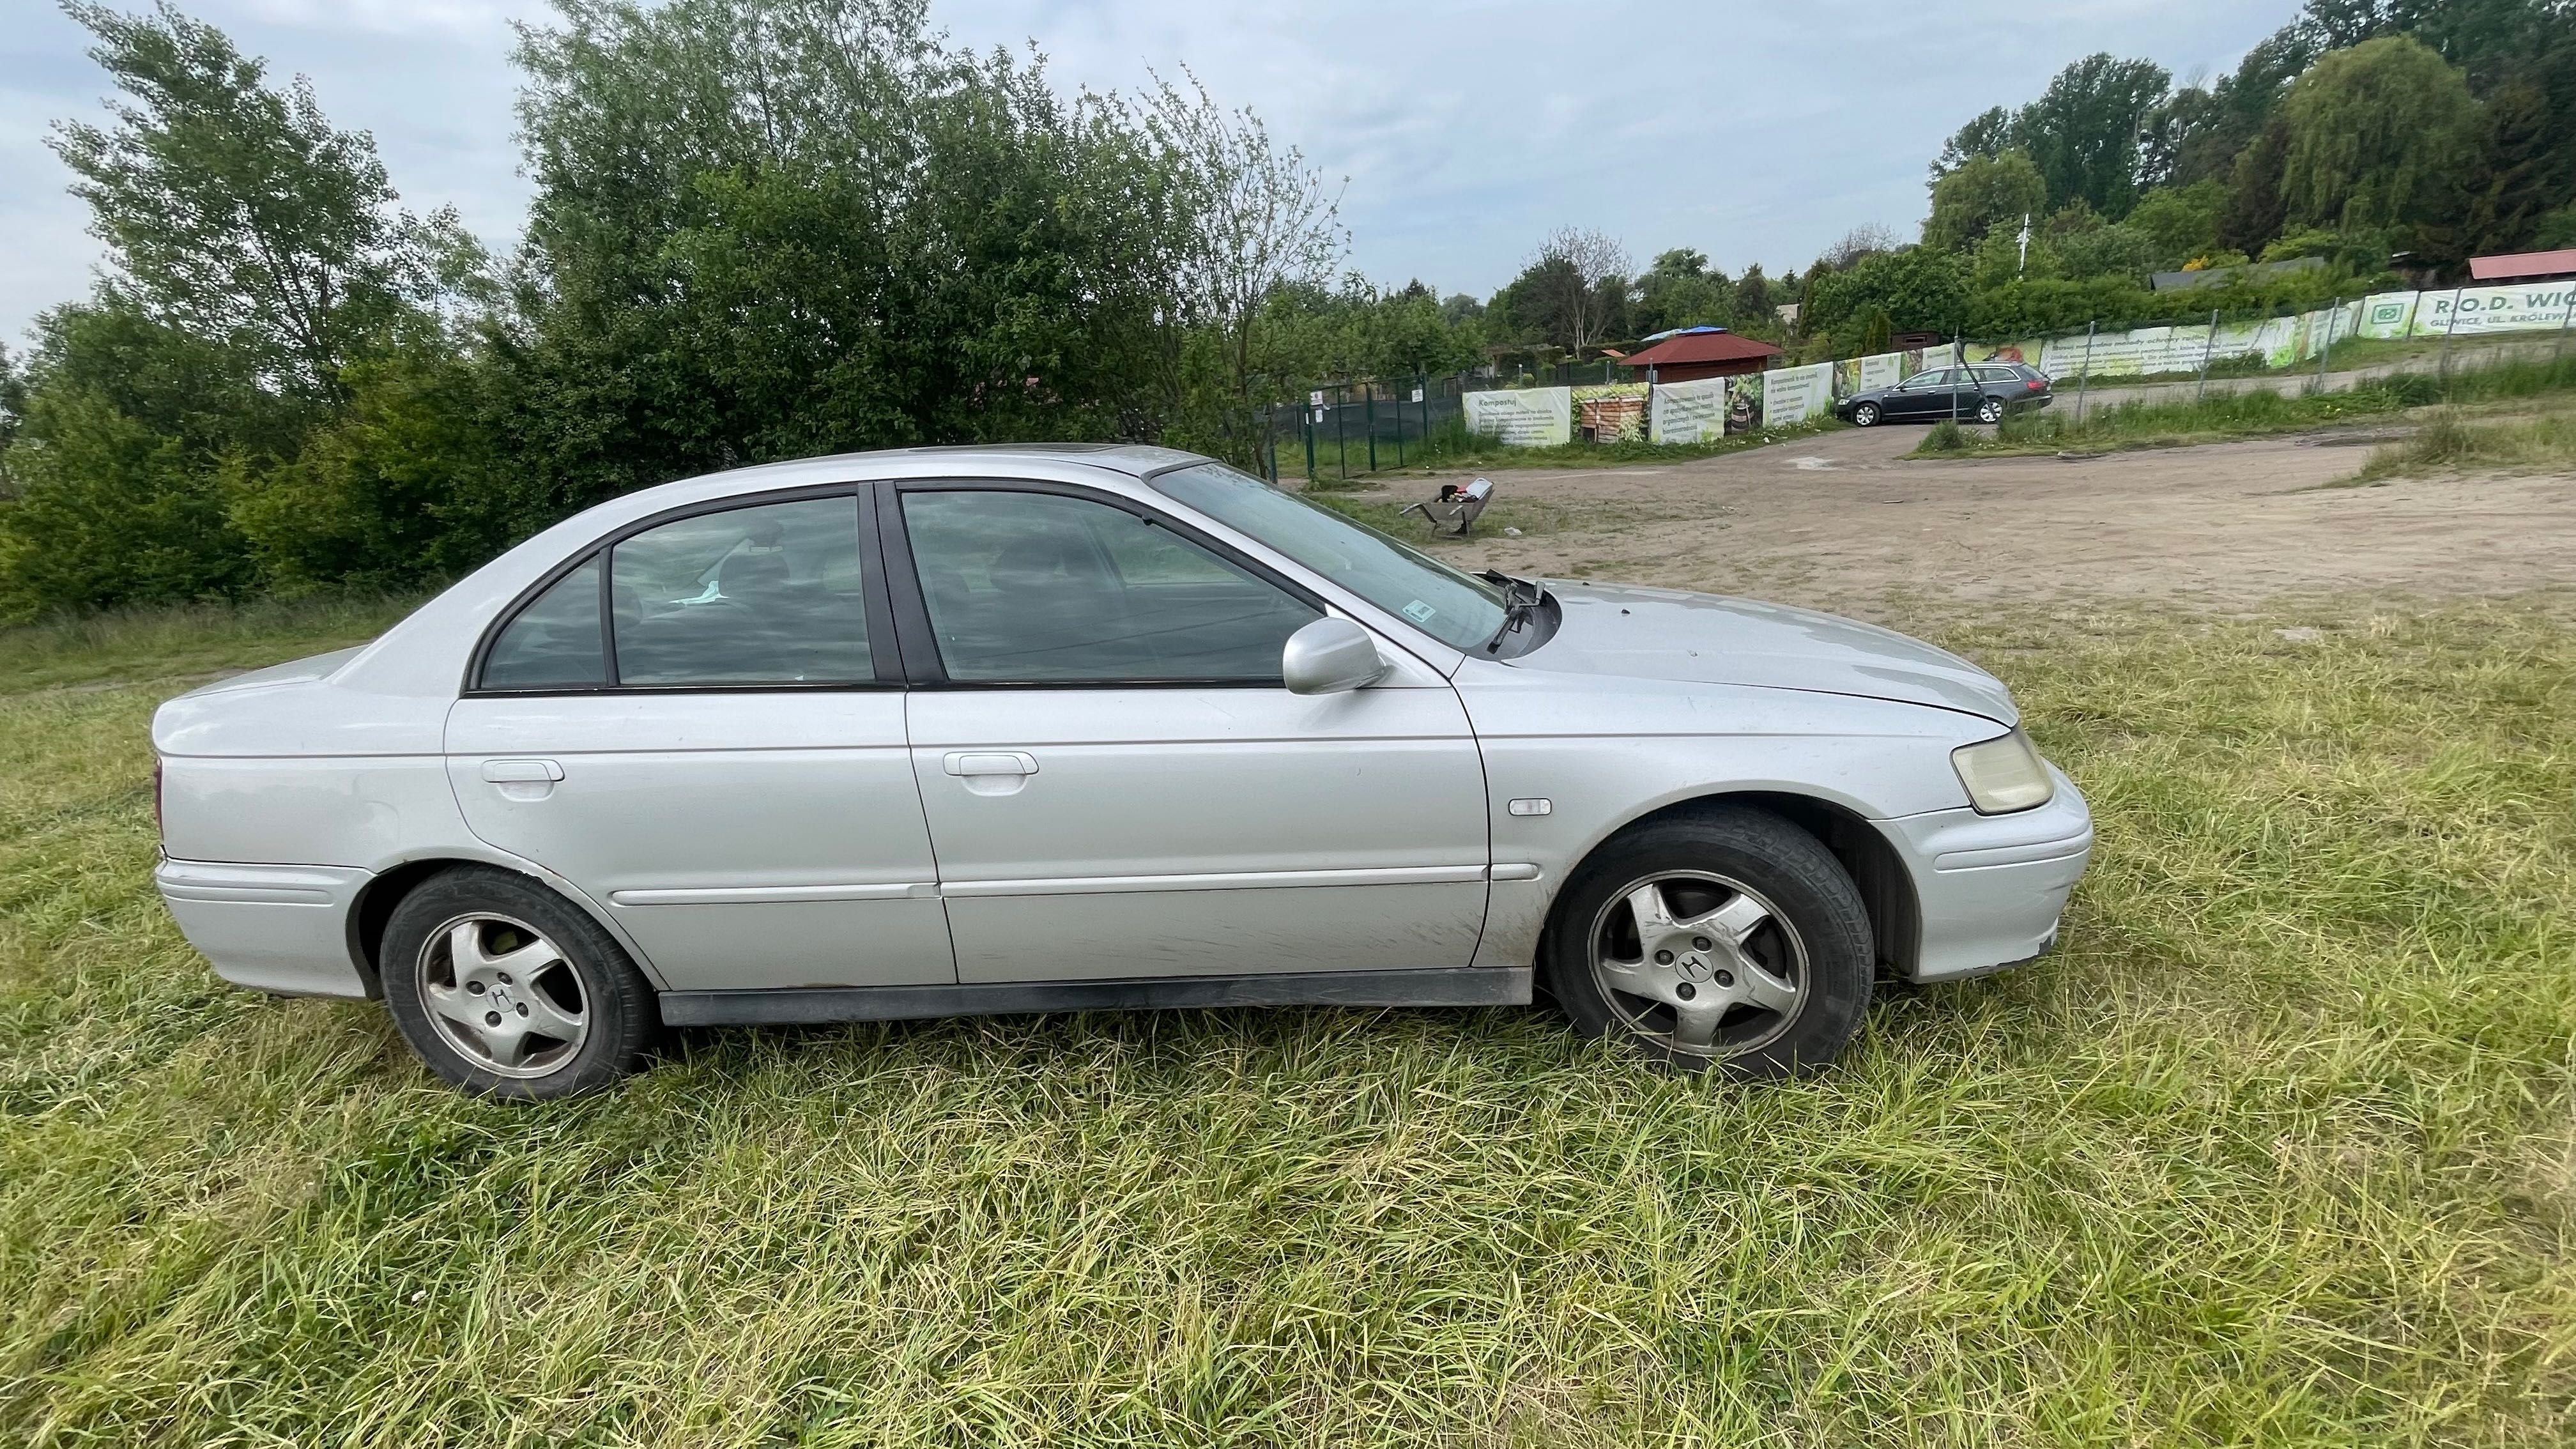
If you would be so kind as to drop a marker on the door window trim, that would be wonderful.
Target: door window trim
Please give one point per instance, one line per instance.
(885, 659)
(919, 644)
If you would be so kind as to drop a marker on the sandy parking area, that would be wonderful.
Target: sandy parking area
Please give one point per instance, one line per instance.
(1843, 520)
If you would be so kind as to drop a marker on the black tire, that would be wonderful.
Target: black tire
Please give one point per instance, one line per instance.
(1990, 411)
(1865, 416)
(1815, 906)
(616, 1008)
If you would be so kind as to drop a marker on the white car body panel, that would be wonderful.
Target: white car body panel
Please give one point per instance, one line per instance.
(783, 844)
(1193, 831)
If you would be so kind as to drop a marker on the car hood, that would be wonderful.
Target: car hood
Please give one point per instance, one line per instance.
(1704, 639)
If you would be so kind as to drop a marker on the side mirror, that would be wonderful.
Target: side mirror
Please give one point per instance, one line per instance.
(1330, 656)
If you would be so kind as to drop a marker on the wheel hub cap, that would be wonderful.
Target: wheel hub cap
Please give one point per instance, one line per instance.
(1699, 962)
(506, 998)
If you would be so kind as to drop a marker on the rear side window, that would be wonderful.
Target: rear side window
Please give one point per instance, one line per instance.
(554, 643)
(763, 595)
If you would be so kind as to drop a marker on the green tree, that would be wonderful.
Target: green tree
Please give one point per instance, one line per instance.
(1919, 289)
(769, 228)
(2086, 130)
(1679, 290)
(2380, 135)
(239, 214)
(2180, 221)
(1981, 194)
(2086, 133)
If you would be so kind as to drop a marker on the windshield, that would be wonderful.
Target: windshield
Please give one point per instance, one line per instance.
(1460, 611)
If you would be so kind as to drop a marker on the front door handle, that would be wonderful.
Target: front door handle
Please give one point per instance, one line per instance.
(970, 763)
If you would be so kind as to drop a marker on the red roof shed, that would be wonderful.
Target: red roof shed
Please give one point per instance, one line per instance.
(2518, 265)
(1702, 354)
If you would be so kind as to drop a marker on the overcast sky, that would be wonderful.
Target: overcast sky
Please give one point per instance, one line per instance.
(1752, 131)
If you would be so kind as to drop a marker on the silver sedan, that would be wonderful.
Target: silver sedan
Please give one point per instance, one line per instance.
(948, 731)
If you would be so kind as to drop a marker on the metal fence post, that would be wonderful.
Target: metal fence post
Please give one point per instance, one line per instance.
(2334, 314)
(1368, 415)
(1307, 415)
(2086, 376)
(2558, 348)
(2208, 345)
(2449, 325)
(1341, 443)
(1958, 364)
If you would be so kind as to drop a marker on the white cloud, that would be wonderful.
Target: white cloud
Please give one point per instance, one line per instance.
(1754, 132)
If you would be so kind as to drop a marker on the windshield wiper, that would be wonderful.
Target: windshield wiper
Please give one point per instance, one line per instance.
(1521, 600)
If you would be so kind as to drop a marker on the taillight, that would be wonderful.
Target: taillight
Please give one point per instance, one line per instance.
(2037, 384)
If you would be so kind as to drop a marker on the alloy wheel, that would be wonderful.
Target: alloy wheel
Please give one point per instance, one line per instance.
(1699, 962)
(504, 996)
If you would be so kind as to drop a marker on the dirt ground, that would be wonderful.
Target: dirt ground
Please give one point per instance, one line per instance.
(1845, 522)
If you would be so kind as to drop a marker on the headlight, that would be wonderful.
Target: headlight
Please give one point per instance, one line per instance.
(2003, 775)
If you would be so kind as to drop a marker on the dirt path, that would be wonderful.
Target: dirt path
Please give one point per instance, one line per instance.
(1843, 521)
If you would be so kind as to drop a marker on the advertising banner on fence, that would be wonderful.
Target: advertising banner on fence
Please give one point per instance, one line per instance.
(1879, 369)
(2468, 311)
(1689, 412)
(1613, 412)
(1520, 417)
(1795, 394)
(2388, 314)
(1744, 403)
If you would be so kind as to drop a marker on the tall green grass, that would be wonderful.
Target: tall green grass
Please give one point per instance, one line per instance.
(2226, 416)
(2447, 440)
(2279, 1148)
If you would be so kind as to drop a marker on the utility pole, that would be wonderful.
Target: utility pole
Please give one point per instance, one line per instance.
(2023, 265)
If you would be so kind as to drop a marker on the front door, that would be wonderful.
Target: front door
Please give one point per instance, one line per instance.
(1118, 785)
(692, 726)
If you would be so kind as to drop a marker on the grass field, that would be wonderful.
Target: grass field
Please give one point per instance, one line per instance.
(2280, 1148)
(2226, 417)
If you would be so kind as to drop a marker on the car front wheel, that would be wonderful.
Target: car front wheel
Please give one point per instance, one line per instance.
(1991, 410)
(1866, 415)
(1727, 938)
(506, 990)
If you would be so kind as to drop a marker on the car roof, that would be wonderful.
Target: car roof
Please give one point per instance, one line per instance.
(1136, 460)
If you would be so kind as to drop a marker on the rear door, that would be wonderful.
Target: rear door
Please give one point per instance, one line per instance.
(1119, 785)
(701, 724)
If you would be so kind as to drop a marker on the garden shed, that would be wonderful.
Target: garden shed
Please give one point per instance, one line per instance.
(1697, 352)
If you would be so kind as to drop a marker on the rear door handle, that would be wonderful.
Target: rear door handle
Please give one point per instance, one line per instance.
(970, 763)
(522, 772)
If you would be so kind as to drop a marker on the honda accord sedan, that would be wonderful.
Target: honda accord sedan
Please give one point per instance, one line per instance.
(946, 731)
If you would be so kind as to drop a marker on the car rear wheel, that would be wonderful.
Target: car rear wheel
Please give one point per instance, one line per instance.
(1991, 410)
(1728, 938)
(1865, 415)
(506, 990)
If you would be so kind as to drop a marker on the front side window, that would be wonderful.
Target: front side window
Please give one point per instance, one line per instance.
(1043, 588)
(750, 596)
(1460, 611)
(554, 643)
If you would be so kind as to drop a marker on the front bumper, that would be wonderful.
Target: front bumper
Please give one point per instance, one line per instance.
(1990, 888)
(276, 928)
